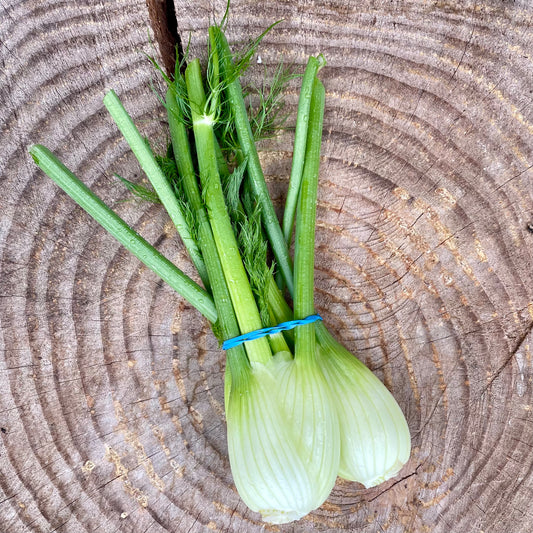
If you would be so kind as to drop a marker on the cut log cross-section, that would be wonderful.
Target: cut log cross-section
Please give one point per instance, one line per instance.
(111, 387)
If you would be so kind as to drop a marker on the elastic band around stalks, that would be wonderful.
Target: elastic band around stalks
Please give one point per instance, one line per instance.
(258, 333)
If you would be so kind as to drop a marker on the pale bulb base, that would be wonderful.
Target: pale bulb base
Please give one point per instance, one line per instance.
(376, 480)
(275, 516)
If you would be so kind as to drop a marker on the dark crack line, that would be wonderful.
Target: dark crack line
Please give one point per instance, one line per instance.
(464, 51)
(396, 483)
(164, 24)
(521, 341)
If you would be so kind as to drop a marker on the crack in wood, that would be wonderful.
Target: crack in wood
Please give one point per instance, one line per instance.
(165, 25)
(509, 358)
(401, 480)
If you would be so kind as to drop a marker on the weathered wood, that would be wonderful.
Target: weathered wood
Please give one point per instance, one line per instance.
(111, 402)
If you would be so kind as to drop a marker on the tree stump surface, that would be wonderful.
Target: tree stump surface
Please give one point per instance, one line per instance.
(111, 387)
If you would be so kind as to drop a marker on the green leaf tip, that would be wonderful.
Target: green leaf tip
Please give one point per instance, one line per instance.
(34, 156)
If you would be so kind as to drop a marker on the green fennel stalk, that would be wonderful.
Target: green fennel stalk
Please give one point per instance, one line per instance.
(255, 172)
(228, 250)
(110, 221)
(162, 187)
(236, 209)
(314, 64)
(304, 262)
(229, 326)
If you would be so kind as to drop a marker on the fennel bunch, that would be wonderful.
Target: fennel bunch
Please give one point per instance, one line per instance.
(300, 409)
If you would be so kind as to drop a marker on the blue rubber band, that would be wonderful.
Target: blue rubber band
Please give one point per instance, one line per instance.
(258, 333)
